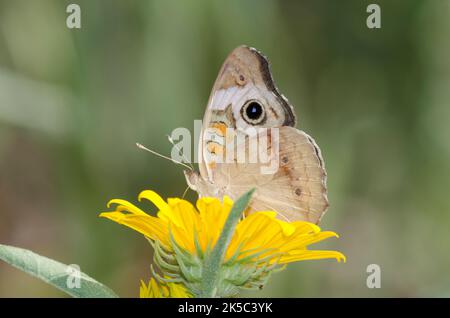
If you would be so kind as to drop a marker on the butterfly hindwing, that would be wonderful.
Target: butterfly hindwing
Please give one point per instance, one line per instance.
(298, 189)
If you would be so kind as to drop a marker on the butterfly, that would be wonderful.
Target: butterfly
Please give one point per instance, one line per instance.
(245, 98)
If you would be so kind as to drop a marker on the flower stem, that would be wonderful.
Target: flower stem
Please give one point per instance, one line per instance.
(213, 262)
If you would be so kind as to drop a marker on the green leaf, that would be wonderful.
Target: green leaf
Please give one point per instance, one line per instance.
(213, 262)
(61, 276)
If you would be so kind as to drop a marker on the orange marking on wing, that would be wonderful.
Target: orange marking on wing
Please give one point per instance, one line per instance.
(215, 148)
(212, 165)
(221, 128)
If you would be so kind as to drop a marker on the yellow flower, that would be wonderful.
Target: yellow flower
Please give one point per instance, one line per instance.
(184, 238)
(164, 290)
(260, 235)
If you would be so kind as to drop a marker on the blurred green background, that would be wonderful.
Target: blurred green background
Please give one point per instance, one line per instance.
(74, 102)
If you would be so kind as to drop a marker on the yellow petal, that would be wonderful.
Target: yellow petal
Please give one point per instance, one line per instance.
(178, 291)
(130, 207)
(155, 198)
(183, 213)
(147, 225)
(143, 290)
(311, 255)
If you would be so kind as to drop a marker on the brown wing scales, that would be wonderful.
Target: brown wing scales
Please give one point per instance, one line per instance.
(297, 191)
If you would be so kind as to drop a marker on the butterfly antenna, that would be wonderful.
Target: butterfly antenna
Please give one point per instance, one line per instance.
(162, 156)
(179, 151)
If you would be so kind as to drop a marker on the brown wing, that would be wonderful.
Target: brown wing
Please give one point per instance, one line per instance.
(297, 190)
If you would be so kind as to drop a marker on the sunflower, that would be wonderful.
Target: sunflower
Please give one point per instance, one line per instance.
(183, 237)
